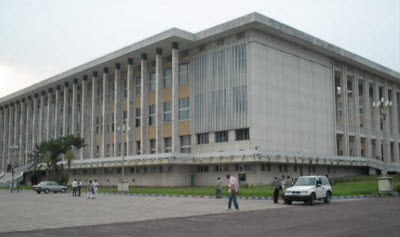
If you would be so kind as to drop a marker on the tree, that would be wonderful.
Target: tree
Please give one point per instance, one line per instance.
(50, 152)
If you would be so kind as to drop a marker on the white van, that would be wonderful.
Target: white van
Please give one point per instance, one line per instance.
(308, 189)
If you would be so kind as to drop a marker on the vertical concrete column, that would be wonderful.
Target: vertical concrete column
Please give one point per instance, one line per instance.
(49, 116)
(159, 101)
(175, 98)
(65, 108)
(93, 113)
(10, 131)
(34, 122)
(387, 152)
(367, 115)
(130, 106)
(344, 96)
(144, 110)
(103, 136)
(57, 113)
(356, 103)
(2, 137)
(28, 127)
(5, 134)
(83, 115)
(117, 108)
(21, 132)
(74, 117)
(16, 132)
(395, 123)
(378, 122)
(41, 114)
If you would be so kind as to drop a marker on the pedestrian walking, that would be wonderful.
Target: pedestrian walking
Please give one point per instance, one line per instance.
(79, 188)
(282, 183)
(277, 186)
(90, 190)
(233, 188)
(95, 187)
(18, 185)
(218, 188)
(12, 185)
(74, 188)
(8, 167)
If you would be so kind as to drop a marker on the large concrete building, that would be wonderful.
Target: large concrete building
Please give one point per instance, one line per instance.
(251, 97)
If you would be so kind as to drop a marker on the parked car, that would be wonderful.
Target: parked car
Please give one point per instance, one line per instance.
(308, 189)
(49, 186)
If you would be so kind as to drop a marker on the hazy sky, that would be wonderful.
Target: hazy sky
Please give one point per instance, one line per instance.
(42, 38)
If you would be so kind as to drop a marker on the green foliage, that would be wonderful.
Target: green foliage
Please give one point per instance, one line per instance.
(62, 179)
(51, 151)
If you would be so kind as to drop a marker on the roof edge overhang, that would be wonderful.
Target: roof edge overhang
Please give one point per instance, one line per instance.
(251, 21)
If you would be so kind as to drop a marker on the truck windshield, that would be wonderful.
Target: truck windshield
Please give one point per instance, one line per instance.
(305, 182)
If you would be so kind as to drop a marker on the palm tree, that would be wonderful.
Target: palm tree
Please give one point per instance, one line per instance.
(69, 156)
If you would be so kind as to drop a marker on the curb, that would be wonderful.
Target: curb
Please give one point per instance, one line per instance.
(223, 197)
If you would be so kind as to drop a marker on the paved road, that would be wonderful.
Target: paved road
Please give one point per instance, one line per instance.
(367, 217)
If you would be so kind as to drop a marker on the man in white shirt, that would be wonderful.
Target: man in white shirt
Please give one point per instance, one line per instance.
(233, 188)
(74, 188)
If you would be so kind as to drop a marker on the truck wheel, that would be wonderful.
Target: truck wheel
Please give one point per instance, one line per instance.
(328, 197)
(38, 192)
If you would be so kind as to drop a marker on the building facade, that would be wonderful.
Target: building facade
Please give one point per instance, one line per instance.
(251, 97)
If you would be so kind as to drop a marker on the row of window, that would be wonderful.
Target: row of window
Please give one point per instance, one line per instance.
(223, 168)
(222, 136)
(167, 78)
(118, 170)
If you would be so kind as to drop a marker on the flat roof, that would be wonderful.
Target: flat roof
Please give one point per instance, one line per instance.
(250, 21)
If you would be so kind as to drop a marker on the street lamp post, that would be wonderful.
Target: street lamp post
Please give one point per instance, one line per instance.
(383, 106)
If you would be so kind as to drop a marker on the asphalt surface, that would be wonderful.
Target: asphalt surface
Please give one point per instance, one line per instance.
(368, 217)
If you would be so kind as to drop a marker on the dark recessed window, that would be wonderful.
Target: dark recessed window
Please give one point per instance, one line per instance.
(242, 134)
(221, 136)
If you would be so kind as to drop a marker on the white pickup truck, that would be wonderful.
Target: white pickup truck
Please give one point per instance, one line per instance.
(308, 189)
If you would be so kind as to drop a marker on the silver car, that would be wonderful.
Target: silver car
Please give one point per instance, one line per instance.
(49, 186)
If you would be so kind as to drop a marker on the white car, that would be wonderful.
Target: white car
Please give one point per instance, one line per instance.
(308, 189)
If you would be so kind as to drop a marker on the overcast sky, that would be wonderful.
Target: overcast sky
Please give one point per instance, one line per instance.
(42, 38)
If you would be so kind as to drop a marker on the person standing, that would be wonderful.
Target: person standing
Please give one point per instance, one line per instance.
(283, 184)
(79, 188)
(233, 188)
(95, 187)
(218, 188)
(276, 184)
(74, 187)
(90, 190)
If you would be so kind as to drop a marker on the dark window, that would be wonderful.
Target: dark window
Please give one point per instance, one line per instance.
(221, 136)
(242, 134)
(202, 138)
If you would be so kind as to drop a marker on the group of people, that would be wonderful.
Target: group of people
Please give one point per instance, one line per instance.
(92, 188)
(233, 189)
(281, 185)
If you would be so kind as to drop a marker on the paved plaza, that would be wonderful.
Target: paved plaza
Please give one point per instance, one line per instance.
(30, 211)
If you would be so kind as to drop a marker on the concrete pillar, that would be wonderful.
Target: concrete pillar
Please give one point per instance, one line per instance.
(65, 109)
(49, 116)
(130, 107)
(74, 116)
(378, 154)
(395, 125)
(356, 103)
(367, 115)
(16, 132)
(34, 122)
(28, 128)
(4, 125)
(41, 114)
(10, 132)
(159, 101)
(386, 139)
(144, 107)
(2, 137)
(175, 98)
(103, 136)
(117, 108)
(93, 113)
(84, 118)
(21, 132)
(57, 113)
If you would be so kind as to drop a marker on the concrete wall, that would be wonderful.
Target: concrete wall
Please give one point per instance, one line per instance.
(290, 97)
